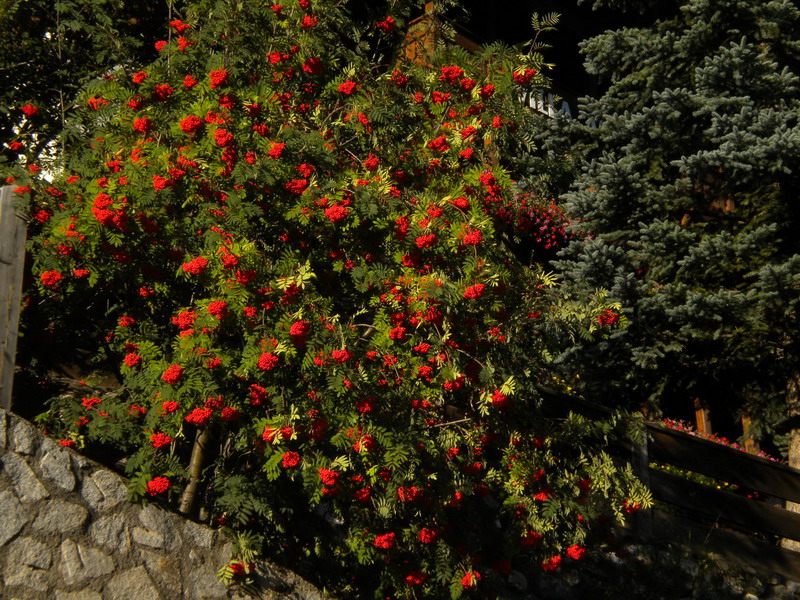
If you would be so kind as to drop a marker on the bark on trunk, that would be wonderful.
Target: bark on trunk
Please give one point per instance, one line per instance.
(196, 463)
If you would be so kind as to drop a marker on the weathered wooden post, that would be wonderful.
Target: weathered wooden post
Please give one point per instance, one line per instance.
(702, 417)
(640, 460)
(12, 258)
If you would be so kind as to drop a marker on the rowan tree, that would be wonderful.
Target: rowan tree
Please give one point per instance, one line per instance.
(291, 240)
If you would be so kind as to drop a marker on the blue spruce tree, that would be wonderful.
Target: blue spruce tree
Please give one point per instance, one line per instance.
(686, 190)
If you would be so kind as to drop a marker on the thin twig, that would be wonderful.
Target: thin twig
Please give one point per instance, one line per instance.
(453, 422)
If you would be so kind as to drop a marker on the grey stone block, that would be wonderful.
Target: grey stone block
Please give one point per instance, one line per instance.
(79, 563)
(83, 467)
(23, 437)
(27, 562)
(146, 537)
(81, 595)
(58, 516)
(133, 584)
(23, 478)
(56, 466)
(224, 553)
(14, 517)
(155, 519)
(28, 551)
(202, 584)
(165, 571)
(197, 535)
(28, 577)
(111, 533)
(103, 490)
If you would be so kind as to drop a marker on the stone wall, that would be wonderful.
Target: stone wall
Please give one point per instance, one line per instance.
(67, 532)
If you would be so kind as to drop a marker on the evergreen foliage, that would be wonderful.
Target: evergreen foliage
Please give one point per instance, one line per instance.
(50, 50)
(688, 171)
(291, 243)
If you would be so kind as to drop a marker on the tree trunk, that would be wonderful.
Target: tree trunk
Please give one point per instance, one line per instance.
(201, 442)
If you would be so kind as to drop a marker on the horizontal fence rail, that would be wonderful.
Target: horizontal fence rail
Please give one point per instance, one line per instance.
(724, 507)
(720, 462)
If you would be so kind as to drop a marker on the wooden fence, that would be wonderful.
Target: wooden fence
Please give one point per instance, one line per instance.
(739, 528)
(12, 258)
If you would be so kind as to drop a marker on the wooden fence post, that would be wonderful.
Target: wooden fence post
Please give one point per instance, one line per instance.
(640, 461)
(750, 444)
(702, 417)
(12, 258)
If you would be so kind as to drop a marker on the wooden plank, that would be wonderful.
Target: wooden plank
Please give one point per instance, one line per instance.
(731, 546)
(12, 257)
(723, 506)
(718, 461)
(466, 43)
